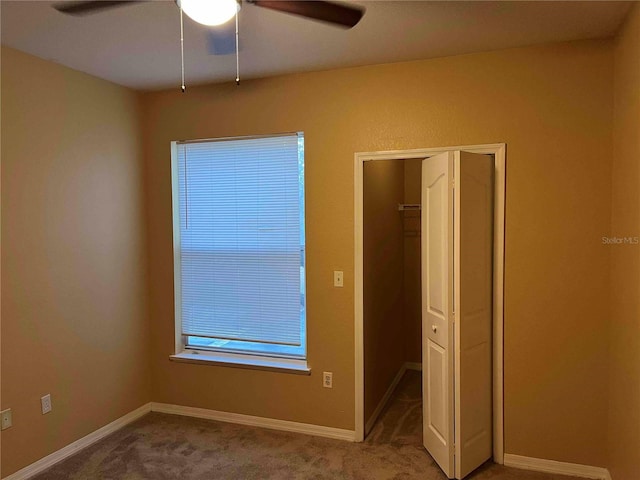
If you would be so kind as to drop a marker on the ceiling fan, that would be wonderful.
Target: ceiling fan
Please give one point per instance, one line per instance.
(218, 12)
(346, 16)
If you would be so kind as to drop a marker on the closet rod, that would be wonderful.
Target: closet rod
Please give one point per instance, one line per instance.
(408, 206)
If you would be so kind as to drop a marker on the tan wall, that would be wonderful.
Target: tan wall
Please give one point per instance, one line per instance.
(624, 380)
(551, 104)
(0, 265)
(383, 256)
(412, 267)
(73, 278)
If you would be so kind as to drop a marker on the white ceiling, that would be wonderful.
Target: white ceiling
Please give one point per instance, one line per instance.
(139, 46)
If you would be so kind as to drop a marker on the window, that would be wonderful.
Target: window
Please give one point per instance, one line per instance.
(239, 245)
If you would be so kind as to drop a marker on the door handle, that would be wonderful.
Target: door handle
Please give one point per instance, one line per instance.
(434, 328)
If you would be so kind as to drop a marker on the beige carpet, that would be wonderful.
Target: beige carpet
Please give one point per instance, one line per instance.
(159, 447)
(400, 423)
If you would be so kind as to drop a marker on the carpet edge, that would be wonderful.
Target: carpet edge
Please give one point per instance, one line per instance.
(46, 462)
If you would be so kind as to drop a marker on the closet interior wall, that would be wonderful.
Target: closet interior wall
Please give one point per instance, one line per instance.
(412, 292)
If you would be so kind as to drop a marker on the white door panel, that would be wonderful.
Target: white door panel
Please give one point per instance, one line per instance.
(457, 246)
(473, 247)
(436, 404)
(437, 293)
(437, 201)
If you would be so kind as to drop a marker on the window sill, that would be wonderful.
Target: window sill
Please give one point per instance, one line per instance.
(253, 362)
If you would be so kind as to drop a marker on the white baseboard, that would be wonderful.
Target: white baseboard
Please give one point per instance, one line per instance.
(385, 399)
(413, 366)
(59, 455)
(552, 466)
(271, 423)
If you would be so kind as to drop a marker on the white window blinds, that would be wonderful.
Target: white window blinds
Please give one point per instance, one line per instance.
(241, 238)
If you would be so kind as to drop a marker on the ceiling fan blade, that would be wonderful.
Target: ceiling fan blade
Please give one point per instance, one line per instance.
(334, 13)
(91, 6)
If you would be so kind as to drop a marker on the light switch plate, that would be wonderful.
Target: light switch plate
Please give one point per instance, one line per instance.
(46, 403)
(338, 278)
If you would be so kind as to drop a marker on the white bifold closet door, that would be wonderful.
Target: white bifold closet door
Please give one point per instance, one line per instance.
(457, 249)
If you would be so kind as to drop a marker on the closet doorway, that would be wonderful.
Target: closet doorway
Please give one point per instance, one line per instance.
(392, 297)
(450, 403)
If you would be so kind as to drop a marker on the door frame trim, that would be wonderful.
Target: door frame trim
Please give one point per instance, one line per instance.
(499, 152)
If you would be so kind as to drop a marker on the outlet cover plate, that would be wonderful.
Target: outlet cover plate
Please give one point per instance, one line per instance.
(6, 417)
(327, 379)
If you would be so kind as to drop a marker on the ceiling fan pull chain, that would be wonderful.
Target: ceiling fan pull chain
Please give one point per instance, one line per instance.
(182, 86)
(237, 51)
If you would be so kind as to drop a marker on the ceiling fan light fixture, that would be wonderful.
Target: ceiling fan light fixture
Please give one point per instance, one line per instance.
(210, 12)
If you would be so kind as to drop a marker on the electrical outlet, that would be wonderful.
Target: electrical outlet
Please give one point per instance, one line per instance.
(46, 403)
(327, 379)
(7, 421)
(338, 278)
